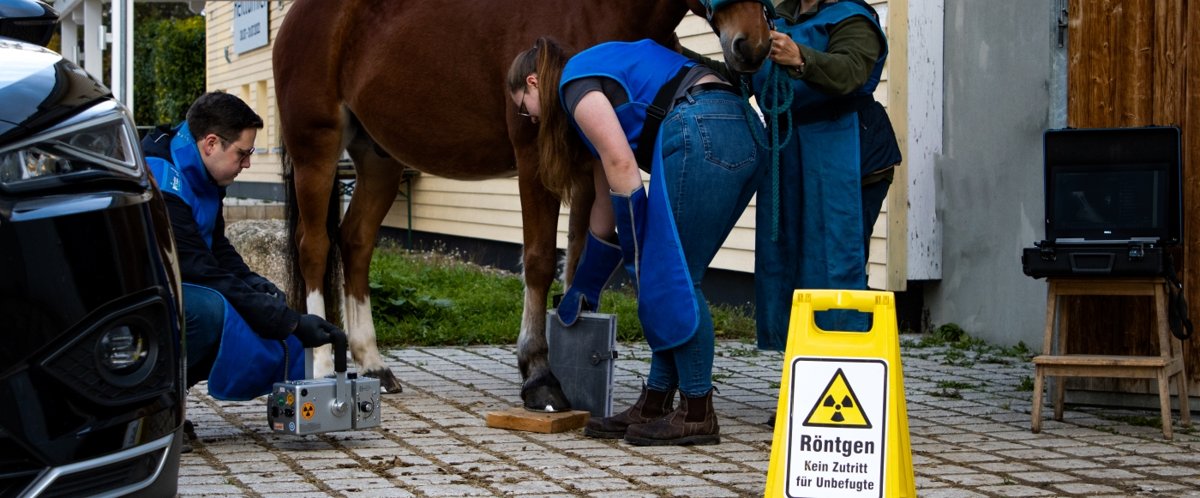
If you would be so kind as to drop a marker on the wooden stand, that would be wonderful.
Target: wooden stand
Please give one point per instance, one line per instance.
(547, 423)
(1056, 362)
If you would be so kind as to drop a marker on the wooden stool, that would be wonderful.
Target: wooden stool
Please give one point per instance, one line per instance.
(1056, 362)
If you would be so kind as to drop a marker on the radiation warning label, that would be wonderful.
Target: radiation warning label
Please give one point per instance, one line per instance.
(837, 427)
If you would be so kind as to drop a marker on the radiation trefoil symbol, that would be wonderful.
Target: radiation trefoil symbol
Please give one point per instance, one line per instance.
(838, 406)
(308, 410)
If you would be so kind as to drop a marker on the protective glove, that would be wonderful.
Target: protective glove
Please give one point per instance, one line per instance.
(596, 266)
(629, 211)
(314, 331)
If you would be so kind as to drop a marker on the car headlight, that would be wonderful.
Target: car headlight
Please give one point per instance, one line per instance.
(95, 144)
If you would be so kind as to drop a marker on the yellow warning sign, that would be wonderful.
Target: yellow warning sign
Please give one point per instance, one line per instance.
(838, 406)
(308, 410)
(841, 426)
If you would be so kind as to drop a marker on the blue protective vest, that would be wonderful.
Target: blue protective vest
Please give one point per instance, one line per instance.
(820, 211)
(667, 304)
(247, 365)
(641, 67)
(185, 177)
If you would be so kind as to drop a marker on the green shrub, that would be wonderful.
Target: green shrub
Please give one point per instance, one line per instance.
(169, 68)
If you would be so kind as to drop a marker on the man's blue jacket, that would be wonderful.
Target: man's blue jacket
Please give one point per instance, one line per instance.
(206, 257)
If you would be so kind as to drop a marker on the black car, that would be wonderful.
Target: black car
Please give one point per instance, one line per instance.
(91, 377)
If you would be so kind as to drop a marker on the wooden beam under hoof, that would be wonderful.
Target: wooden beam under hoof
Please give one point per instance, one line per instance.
(520, 419)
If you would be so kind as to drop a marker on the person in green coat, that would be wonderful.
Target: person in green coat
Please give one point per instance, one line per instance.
(816, 209)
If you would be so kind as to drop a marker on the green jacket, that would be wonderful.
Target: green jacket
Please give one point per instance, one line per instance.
(843, 68)
(847, 62)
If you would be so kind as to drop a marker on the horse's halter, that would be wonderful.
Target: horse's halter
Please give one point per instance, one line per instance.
(711, 6)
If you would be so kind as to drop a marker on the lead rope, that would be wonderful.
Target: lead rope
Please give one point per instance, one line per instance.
(775, 101)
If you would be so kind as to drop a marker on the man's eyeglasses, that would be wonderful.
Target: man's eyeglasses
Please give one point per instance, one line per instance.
(521, 110)
(243, 154)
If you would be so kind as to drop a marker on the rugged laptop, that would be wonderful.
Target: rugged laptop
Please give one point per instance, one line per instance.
(1113, 202)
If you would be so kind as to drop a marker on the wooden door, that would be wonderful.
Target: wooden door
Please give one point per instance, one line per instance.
(1129, 65)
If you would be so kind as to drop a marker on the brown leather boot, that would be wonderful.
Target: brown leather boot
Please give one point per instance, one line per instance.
(650, 405)
(694, 422)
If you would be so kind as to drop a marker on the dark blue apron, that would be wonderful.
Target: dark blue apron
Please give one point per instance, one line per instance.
(820, 235)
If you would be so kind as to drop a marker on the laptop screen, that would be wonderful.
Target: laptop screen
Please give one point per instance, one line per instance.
(1113, 185)
(1107, 203)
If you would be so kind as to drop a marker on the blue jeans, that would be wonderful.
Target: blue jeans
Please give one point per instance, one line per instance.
(712, 167)
(204, 321)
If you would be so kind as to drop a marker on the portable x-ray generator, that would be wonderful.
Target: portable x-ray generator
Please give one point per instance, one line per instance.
(313, 406)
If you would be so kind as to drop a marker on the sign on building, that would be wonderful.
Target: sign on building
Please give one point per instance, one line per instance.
(250, 28)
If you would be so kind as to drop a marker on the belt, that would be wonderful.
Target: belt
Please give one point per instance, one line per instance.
(711, 86)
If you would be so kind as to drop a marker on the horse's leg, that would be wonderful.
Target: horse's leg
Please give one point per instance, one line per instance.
(314, 143)
(312, 240)
(577, 226)
(541, 390)
(376, 183)
(539, 214)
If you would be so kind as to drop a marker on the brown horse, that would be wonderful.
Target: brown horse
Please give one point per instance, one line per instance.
(421, 84)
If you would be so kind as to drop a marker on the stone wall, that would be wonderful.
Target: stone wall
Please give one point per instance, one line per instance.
(263, 244)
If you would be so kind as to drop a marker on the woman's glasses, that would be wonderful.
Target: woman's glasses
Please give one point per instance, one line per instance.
(521, 110)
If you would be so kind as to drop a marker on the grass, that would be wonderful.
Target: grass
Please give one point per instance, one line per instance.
(947, 393)
(1136, 420)
(953, 384)
(965, 351)
(437, 299)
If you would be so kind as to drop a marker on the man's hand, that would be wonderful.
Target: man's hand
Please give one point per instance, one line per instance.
(314, 331)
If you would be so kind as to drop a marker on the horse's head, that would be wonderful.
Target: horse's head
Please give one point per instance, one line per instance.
(744, 27)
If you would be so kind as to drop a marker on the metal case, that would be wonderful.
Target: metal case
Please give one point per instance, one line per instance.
(581, 357)
(312, 406)
(1115, 260)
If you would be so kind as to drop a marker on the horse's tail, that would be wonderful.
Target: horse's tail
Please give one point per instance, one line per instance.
(331, 285)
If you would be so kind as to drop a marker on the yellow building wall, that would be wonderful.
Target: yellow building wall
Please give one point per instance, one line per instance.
(488, 209)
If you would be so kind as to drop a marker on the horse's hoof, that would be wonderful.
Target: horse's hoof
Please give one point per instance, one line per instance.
(544, 394)
(388, 384)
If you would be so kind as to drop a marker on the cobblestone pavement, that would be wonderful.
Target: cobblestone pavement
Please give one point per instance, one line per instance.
(968, 416)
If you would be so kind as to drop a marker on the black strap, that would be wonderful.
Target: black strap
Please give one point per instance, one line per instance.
(1177, 308)
(654, 116)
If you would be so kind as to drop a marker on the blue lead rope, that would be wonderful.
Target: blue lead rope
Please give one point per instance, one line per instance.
(775, 101)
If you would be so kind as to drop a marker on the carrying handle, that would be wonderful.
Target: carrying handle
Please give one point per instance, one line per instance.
(339, 352)
(825, 300)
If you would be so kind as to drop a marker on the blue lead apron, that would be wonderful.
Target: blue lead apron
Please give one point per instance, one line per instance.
(248, 365)
(667, 305)
(820, 235)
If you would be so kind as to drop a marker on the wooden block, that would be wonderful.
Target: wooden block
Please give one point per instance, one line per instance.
(521, 419)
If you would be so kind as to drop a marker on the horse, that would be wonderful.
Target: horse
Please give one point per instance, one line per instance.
(421, 84)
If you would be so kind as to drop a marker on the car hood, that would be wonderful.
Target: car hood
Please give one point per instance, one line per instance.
(39, 88)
